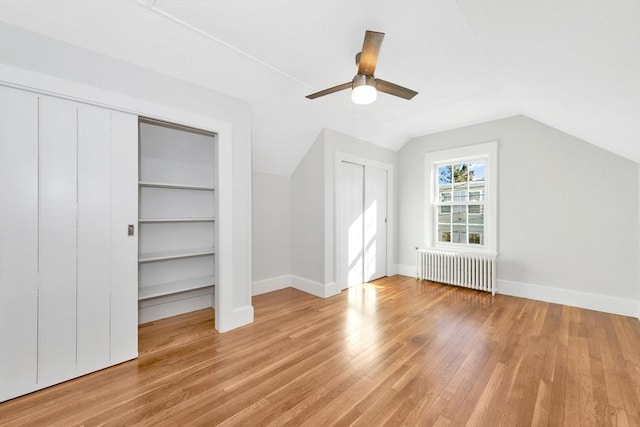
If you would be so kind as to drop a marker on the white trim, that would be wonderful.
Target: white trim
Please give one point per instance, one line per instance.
(272, 284)
(406, 270)
(489, 150)
(331, 289)
(598, 302)
(238, 317)
(291, 281)
(340, 247)
(312, 287)
(41, 83)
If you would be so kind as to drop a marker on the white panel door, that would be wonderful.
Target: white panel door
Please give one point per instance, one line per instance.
(124, 260)
(375, 223)
(94, 238)
(351, 199)
(18, 241)
(58, 241)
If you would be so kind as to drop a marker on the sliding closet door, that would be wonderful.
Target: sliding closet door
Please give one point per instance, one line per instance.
(351, 199)
(58, 240)
(107, 255)
(94, 237)
(375, 223)
(68, 264)
(18, 241)
(361, 244)
(124, 254)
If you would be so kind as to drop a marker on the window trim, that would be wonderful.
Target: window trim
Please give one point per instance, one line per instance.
(486, 150)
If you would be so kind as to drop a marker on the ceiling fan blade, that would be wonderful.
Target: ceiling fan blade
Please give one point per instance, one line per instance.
(394, 89)
(369, 55)
(338, 88)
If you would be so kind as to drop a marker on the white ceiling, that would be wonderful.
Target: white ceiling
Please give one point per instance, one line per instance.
(574, 65)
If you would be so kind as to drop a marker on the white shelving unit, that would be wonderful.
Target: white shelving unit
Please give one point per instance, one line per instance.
(174, 254)
(176, 186)
(177, 220)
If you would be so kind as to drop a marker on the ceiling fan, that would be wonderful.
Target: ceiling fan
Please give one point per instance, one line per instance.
(365, 85)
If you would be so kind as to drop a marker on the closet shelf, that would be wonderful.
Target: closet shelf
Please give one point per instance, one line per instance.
(161, 220)
(153, 291)
(175, 186)
(175, 254)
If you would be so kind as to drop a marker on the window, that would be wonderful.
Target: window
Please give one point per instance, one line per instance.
(462, 196)
(460, 201)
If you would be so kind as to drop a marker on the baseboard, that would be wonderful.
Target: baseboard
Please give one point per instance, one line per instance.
(406, 270)
(260, 287)
(239, 317)
(314, 288)
(598, 302)
(331, 289)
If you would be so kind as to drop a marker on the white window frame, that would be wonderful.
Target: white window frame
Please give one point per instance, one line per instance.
(487, 151)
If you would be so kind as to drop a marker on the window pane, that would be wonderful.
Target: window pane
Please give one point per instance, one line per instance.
(476, 219)
(460, 193)
(477, 170)
(459, 234)
(445, 195)
(476, 191)
(459, 215)
(476, 215)
(444, 215)
(444, 174)
(460, 172)
(444, 232)
(476, 235)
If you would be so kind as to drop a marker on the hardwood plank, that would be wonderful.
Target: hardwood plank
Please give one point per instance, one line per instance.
(392, 352)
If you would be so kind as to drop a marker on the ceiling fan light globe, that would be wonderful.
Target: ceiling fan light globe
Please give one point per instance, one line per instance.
(364, 94)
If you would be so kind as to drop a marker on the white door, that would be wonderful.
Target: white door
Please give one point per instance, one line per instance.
(361, 223)
(351, 193)
(375, 223)
(68, 269)
(18, 242)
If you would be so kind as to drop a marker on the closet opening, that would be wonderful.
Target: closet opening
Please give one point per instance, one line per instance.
(177, 210)
(361, 211)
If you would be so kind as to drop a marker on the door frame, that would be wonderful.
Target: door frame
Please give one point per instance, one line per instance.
(340, 245)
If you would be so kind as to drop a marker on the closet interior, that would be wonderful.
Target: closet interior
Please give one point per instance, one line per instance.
(177, 219)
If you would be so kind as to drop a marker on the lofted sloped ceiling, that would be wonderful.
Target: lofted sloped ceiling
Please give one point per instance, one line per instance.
(574, 65)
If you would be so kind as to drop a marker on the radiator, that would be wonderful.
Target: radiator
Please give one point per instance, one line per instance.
(475, 271)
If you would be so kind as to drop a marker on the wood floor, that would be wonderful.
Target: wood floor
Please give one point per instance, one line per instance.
(394, 351)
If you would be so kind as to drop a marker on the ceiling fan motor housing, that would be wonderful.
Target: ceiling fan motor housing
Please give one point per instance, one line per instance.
(363, 80)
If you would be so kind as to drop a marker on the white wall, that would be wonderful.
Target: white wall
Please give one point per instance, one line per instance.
(567, 210)
(307, 215)
(100, 76)
(271, 224)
